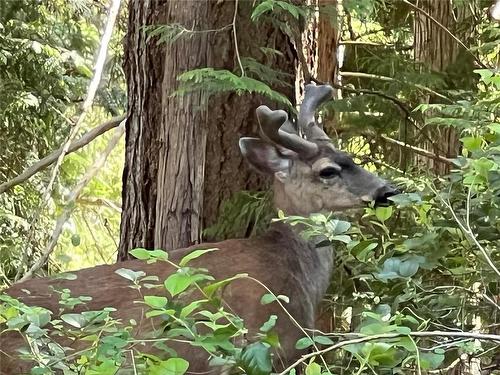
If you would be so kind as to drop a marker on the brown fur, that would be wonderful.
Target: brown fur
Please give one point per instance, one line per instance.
(304, 279)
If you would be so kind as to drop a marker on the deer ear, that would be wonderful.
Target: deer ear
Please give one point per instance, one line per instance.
(263, 156)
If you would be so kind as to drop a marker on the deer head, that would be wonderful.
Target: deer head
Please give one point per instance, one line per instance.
(310, 174)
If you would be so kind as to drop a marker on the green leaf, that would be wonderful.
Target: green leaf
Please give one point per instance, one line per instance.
(271, 322)
(172, 366)
(431, 360)
(323, 340)
(186, 310)
(75, 320)
(211, 289)
(129, 274)
(75, 239)
(140, 253)
(313, 369)
(261, 9)
(268, 298)
(303, 343)
(255, 359)
(180, 281)
(195, 254)
(383, 213)
(472, 143)
(155, 301)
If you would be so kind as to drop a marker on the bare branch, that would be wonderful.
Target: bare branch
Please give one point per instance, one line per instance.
(418, 150)
(361, 339)
(390, 79)
(75, 193)
(51, 158)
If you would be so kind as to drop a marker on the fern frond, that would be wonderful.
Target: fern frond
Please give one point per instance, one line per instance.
(211, 81)
(265, 73)
(268, 6)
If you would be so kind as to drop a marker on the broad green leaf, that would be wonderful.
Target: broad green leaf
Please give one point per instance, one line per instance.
(383, 213)
(431, 360)
(472, 143)
(75, 320)
(313, 369)
(193, 255)
(303, 343)
(140, 253)
(323, 340)
(180, 281)
(172, 366)
(155, 302)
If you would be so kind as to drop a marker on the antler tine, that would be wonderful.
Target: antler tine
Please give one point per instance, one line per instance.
(314, 96)
(270, 123)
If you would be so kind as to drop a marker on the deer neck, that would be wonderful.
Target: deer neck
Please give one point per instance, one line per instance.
(315, 263)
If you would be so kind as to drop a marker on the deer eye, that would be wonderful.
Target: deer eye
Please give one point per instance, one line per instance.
(329, 172)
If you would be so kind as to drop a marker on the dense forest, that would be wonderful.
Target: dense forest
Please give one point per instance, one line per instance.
(124, 127)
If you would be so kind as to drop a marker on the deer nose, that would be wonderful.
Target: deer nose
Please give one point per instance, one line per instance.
(383, 193)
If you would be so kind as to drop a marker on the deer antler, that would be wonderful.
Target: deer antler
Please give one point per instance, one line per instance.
(314, 96)
(270, 123)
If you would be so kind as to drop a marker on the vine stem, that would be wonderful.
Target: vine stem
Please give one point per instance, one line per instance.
(236, 38)
(358, 340)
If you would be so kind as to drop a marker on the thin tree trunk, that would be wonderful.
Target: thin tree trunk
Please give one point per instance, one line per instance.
(166, 137)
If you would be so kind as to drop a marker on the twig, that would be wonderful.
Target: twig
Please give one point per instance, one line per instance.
(471, 335)
(418, 150)
(390, 79)
(469, 233)
(89, 99)
(51, 158)
(445, 29)
(235, 36)
(91, 172)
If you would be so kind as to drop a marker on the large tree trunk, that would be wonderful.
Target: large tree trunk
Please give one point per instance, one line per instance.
(232, 116)
(182, 157)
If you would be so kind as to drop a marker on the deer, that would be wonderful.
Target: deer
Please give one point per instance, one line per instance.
(310, 175)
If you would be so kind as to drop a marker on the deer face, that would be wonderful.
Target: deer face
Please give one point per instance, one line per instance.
(311, 175)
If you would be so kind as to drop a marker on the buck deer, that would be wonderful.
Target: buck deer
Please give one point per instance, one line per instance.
(310, 176)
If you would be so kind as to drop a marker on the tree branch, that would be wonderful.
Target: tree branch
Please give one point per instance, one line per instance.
(471, 335)
(51, 158)
(418, 150)
(75, 193)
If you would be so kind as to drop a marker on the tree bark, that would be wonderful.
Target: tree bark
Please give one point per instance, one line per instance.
(232, 116)
(437, 50)
(182, 156)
